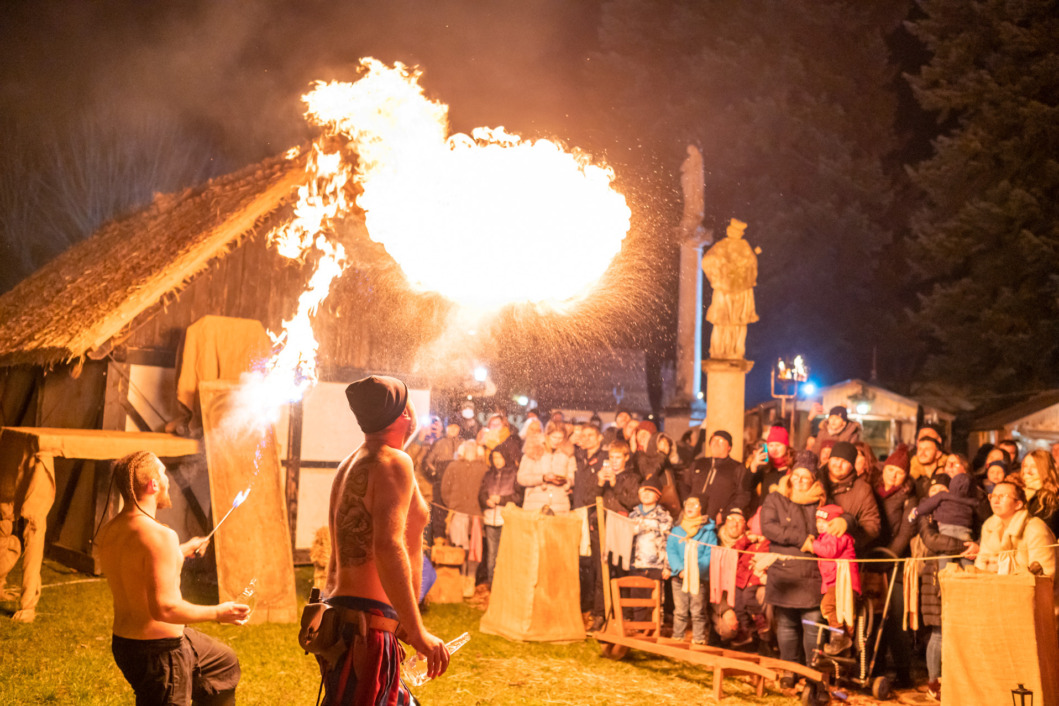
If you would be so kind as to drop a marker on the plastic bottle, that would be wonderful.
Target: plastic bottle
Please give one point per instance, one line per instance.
(414, 668)
(249, 596)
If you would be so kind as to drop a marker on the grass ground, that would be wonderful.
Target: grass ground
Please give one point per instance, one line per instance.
(64, 658)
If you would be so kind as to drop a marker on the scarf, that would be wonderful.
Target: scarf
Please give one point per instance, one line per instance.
(692, 525)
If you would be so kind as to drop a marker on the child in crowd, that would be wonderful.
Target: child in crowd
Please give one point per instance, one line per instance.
(949, 502)
(653, 523)
(829, 546)
(689, 566)
(749, 581)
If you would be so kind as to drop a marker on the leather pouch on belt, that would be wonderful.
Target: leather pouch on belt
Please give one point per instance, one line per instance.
(320, 631)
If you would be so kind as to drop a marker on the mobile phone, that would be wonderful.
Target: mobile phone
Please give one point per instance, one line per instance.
(765, 448)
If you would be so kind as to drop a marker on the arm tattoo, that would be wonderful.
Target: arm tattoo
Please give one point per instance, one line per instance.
(353, 529)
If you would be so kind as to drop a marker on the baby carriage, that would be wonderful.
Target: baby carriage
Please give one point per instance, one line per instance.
(855, 668)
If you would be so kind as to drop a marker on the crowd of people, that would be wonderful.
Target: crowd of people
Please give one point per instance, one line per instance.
(753, 554)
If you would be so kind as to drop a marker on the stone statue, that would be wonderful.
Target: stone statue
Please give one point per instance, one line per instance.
(731, 267)
(693, 181)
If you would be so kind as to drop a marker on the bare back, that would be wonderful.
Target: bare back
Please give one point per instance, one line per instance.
(133, 548)
(356, 525)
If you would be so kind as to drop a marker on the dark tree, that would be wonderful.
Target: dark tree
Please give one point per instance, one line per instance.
(790, 104)
(985, 251)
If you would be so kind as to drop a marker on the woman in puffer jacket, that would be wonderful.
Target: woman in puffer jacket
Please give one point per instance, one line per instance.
(547, 470)
(788, 520)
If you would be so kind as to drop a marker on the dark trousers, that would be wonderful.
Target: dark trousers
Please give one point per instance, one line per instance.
(796, 641)
(644, 614)
(590, 571)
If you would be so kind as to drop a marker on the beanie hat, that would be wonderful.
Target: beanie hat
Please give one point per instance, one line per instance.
(829, 512)
(839, 411)
(940, 479)
(845, 450)
(806, 459)
(1003, 466)
(779, 434)
(648, 425)
(733, 510)
(723, 434)
(654, 483)
(377, 401)
(898, 458)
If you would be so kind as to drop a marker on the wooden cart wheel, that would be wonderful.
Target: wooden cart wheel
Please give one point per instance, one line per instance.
(612, 651)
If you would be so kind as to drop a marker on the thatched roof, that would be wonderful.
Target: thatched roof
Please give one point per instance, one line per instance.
(80, 300)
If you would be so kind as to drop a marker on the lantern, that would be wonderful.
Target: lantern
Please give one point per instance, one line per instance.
(1019, 694)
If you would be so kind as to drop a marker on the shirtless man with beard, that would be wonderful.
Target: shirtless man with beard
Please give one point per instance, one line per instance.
(164, 661)
(376, 520)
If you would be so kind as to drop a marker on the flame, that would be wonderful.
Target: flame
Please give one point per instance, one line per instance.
(486, 219)
(240, 497)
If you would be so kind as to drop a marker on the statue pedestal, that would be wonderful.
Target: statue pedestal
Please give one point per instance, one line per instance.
(726, 399)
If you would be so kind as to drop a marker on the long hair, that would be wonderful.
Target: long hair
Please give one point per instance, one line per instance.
(1047, 498)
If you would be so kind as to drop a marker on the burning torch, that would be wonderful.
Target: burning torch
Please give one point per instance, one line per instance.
(239, 498)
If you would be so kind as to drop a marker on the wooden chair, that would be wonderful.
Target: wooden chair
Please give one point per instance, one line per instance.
(640, 628)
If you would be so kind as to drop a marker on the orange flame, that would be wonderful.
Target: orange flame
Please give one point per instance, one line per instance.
(486, 219)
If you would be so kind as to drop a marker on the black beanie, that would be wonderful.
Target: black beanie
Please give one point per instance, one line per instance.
(654, 483)
(839, 411)
(845, 451)
(377, 401)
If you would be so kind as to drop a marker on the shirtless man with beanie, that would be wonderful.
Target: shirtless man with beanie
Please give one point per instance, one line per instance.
(376, 519)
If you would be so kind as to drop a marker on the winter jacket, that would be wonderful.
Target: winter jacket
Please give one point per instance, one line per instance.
(502, 482)
(897, 531)
(531, 474)
(828, 546)
(786, 521)
(850, 432)
(1025, 540)
(744, 573)
(723, 481)
(676, 550)
(860, 510)
(623, 495)
(460, 486)
(649, 544)
(937, 544)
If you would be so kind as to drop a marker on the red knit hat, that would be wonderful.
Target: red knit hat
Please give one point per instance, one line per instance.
(829, 512)
(898, 458)
(648, 425)
(778, 434)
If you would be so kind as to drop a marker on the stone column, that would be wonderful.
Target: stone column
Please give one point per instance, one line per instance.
(689, 321)
(726, 399)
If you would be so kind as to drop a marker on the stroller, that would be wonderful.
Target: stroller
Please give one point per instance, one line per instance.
(855, 670)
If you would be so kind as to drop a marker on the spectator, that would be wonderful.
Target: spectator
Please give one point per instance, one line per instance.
(459, 493)
(1042, 487)
(929, 457)
(935, 543)
(688, 579)
(498, 488)
(547, 471)
(788, 519)
(866, 463)
(616, 431)
(653, 523)
(957, 465)
(771, 462)
(720, 480)
(1055, 453)
(995, 472)
(826, 447)
(896, 497)
(828, 546)
(660, 458)
(1012, 447)
(860, 516)
(442, 452)
(1012, 539)
(952, 509)
(590, 458)
(838, 427)
(617, 483)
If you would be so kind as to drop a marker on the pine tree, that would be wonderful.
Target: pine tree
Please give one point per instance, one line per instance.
(986, 242)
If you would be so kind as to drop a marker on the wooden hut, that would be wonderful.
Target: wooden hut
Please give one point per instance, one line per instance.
(92, 342)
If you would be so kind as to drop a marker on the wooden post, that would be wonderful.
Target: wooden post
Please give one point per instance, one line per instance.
(294, 461)
(601, 518)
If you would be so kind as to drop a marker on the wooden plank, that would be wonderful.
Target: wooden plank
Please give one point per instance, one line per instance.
(255, 541)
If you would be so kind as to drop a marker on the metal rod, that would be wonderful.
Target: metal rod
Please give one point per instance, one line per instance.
(221, 522)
